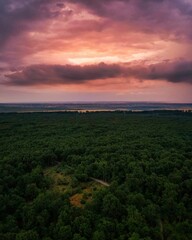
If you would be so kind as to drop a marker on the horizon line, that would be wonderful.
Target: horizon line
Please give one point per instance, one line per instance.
(93, 102)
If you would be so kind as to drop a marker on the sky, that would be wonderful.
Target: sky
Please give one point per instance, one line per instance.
(95, 50)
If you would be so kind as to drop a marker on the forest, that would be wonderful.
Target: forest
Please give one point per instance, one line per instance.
(50, 164)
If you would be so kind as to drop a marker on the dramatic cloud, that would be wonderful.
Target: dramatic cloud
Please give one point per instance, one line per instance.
(178, 71)
(65, 42)
(18, 16)
(58, 74)
(175, 72)
(159, 16)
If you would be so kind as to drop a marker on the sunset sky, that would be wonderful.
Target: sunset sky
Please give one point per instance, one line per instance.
(95, 50)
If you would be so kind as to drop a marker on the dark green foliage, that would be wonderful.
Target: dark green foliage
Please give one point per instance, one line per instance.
(146, 158)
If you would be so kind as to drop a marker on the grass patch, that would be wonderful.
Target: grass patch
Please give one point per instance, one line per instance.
(80, 192)
(60, 182)
(80, 199)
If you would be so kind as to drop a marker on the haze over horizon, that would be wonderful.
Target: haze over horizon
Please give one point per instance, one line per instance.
(104, 50)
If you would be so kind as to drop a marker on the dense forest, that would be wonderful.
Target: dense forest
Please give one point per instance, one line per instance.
(49, 163)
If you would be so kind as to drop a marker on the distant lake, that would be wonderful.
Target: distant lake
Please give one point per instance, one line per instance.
(92, 107)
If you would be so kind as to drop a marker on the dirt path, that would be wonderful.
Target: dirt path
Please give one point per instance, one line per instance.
(100, 181)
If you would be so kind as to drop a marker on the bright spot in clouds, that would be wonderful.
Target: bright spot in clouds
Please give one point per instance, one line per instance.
(96, 50)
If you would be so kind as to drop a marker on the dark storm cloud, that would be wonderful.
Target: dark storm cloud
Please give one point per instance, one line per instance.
(178, 71)
(62, 74)
(16, 16)
(170, 17)
(103, 7)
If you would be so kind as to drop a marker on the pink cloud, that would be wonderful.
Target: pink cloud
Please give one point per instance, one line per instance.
(178, 71)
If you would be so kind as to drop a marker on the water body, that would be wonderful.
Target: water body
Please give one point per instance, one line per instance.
(92, 107)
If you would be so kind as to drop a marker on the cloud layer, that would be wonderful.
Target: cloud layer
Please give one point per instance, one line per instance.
(84, 42)
(72, 74)
(150, 16)
(20, 16)
(168, 17)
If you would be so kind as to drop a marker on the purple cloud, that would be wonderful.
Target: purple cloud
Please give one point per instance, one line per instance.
(22, 15)
(168, 17)
(177, 71)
